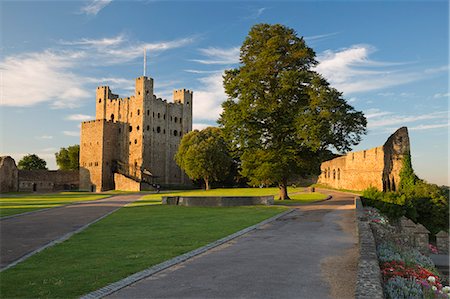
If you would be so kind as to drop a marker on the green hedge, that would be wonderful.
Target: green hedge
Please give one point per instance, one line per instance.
(426, 204)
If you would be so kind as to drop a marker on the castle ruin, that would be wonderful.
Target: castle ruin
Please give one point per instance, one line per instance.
(132, 142)
(378, 167)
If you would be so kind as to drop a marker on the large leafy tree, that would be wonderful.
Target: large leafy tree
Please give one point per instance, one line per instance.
(68, 158)
(281, 116)
(204, 155)
(32, 162)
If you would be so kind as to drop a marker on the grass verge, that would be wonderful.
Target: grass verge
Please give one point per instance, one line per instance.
(21, 203)
(129, 240)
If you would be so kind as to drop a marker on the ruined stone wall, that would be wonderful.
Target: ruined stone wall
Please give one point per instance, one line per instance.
(377, 167)
(48, 180)
(149, 132)
(124, 183)
(9, 178)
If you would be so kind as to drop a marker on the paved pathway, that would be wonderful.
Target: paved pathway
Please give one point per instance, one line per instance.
(24, 234)
(309, 253)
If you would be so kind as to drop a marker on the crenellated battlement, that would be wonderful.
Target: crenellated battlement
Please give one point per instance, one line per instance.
(141, 131)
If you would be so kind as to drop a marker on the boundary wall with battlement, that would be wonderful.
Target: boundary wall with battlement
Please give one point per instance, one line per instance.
(378, 167)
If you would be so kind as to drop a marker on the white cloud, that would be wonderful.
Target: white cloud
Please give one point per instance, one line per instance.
(256, 12)
(440, 69)
(50, 149)
(219, 55)
(208, 98)
(386, 119)
(429, 127)
(319, 37)
(71, 133)
(44, 137)
(41, 77)
(102, 42)
(200, 126)
(374, 113)
(441, 95)
(55, 76)
(350, 70)
(79, 117)
(94, 6)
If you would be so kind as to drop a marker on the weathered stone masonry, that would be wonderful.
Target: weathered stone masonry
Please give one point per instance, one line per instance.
(133, 141)
(378, 167)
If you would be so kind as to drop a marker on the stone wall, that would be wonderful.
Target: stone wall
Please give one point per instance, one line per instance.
(124, 183)
(145, 140)
(9, 176)
(378, 167)
(217, 201)
(48, 180)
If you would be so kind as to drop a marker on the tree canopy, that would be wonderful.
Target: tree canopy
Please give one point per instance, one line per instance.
(68, 158)
(204, 155)
(32, 162)
(281, 116)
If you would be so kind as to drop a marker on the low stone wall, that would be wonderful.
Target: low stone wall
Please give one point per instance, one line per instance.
(368, 280)
(217, 201)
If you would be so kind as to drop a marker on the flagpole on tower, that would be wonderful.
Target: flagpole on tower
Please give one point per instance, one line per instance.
(145, 62)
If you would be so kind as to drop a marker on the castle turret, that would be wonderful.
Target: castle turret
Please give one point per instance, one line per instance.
(185, 97)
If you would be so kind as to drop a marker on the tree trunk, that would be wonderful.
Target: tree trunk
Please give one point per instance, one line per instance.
(283, 190)
(206, 183)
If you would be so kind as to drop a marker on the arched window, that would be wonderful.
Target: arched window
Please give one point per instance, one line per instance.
(148, 128)
(176, 119)
(175, 133)
(158, 130)
(159, 115)
(339, 173)
(139, 112)
(99, 100)
(112, 117)
(137, 128)
(334, 174)
(131, 128)
(135, 141)
(148, 112)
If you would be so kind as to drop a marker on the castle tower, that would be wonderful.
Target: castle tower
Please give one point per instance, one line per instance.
(134, 139)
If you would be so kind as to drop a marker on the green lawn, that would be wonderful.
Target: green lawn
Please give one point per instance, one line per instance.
(129, 240)
(21, 203)
(342, 190)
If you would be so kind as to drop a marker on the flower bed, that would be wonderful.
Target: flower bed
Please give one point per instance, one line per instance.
(407, 273)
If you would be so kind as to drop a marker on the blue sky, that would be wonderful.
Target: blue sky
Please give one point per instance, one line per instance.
(389, 58)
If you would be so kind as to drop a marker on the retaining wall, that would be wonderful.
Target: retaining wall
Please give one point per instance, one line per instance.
(217, 201)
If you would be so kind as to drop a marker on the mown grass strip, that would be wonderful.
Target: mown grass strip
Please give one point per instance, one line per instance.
(130, 240)
(17, 204)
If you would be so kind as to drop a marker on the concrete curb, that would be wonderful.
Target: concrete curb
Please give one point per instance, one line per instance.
(115, 286)
(57, 241)
(46, 209)
(368, 278)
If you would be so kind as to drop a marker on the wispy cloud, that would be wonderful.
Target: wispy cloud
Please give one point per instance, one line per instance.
(94, 6)
(319, 37)
(219, 55)
(203, 72)
(44, 137)
(79, 117)
(351, 70)
(34, 78)
(441, 95)
(56, 75)
(384, 119)
(256, 12)
(429, 127)
(71, 133)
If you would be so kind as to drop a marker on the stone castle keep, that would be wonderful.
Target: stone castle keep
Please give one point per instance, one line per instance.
(378, 167)
(132, 141)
